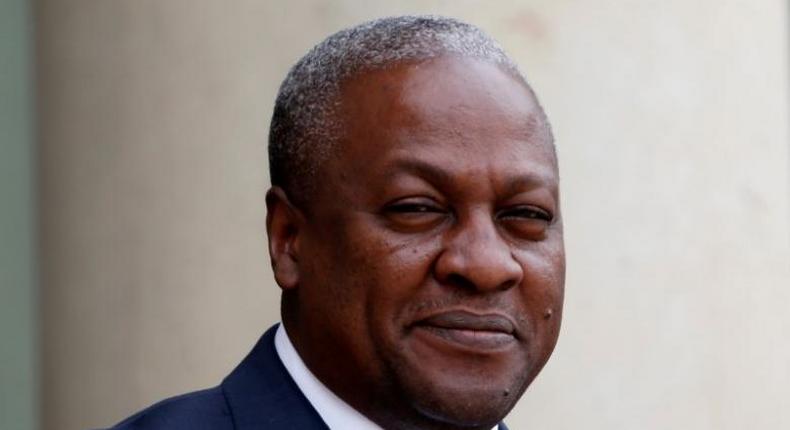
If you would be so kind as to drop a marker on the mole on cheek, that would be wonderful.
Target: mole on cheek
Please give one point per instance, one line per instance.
(548, 313)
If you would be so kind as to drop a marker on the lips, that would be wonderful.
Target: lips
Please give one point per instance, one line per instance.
(469, 330)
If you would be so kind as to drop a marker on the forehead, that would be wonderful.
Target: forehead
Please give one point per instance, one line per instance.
(475, 110)
(429, 94)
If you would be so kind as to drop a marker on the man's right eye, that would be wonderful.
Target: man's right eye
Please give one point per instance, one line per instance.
(415, 214)
(412, 208)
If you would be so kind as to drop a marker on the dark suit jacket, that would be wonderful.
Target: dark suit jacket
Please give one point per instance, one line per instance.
(258, 394)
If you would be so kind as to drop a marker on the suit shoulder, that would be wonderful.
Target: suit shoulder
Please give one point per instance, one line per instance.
(205, 409)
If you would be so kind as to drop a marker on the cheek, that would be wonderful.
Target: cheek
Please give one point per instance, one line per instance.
(544, 271)
(542, 292)
(393, 273)
(544, 263)
(399, 269)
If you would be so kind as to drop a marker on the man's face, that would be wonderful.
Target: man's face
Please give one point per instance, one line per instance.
(431, 261)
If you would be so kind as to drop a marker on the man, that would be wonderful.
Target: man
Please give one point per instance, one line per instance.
(414, 229)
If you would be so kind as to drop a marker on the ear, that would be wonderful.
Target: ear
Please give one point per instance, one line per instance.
(283, 225)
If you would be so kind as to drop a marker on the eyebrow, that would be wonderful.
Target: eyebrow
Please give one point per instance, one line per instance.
(434, 173)
(420, 168)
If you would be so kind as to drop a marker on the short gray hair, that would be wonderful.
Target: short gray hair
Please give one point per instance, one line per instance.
(304, 129)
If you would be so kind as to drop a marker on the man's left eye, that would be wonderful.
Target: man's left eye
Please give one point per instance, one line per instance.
(526, 213)
(526, 222)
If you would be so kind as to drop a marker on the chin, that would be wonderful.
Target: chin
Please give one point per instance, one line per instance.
(448, 385)
(464, 400)
(470, 408)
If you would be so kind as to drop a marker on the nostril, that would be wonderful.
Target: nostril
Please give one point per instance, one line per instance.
(462, 282)
(510, 283)
(459, 281)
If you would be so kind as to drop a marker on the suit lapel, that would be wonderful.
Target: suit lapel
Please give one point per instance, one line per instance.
(261, 394)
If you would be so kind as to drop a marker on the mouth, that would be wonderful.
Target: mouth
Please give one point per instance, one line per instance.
(467, 330)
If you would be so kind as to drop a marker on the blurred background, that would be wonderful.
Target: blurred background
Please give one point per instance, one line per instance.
(133, 261)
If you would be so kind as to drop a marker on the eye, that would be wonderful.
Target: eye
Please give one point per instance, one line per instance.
(526, 212)
(529, 222)
(414, 213)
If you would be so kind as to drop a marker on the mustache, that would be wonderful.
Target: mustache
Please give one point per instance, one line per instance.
(458, 298)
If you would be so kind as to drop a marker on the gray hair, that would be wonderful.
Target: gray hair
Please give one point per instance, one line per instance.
(304, 129)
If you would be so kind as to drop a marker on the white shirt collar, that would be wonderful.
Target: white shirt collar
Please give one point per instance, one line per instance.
(336, 413)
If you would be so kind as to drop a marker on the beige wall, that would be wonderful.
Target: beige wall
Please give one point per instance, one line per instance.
(671, 120)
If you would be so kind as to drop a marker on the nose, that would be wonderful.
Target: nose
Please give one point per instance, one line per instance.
(475, 256)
